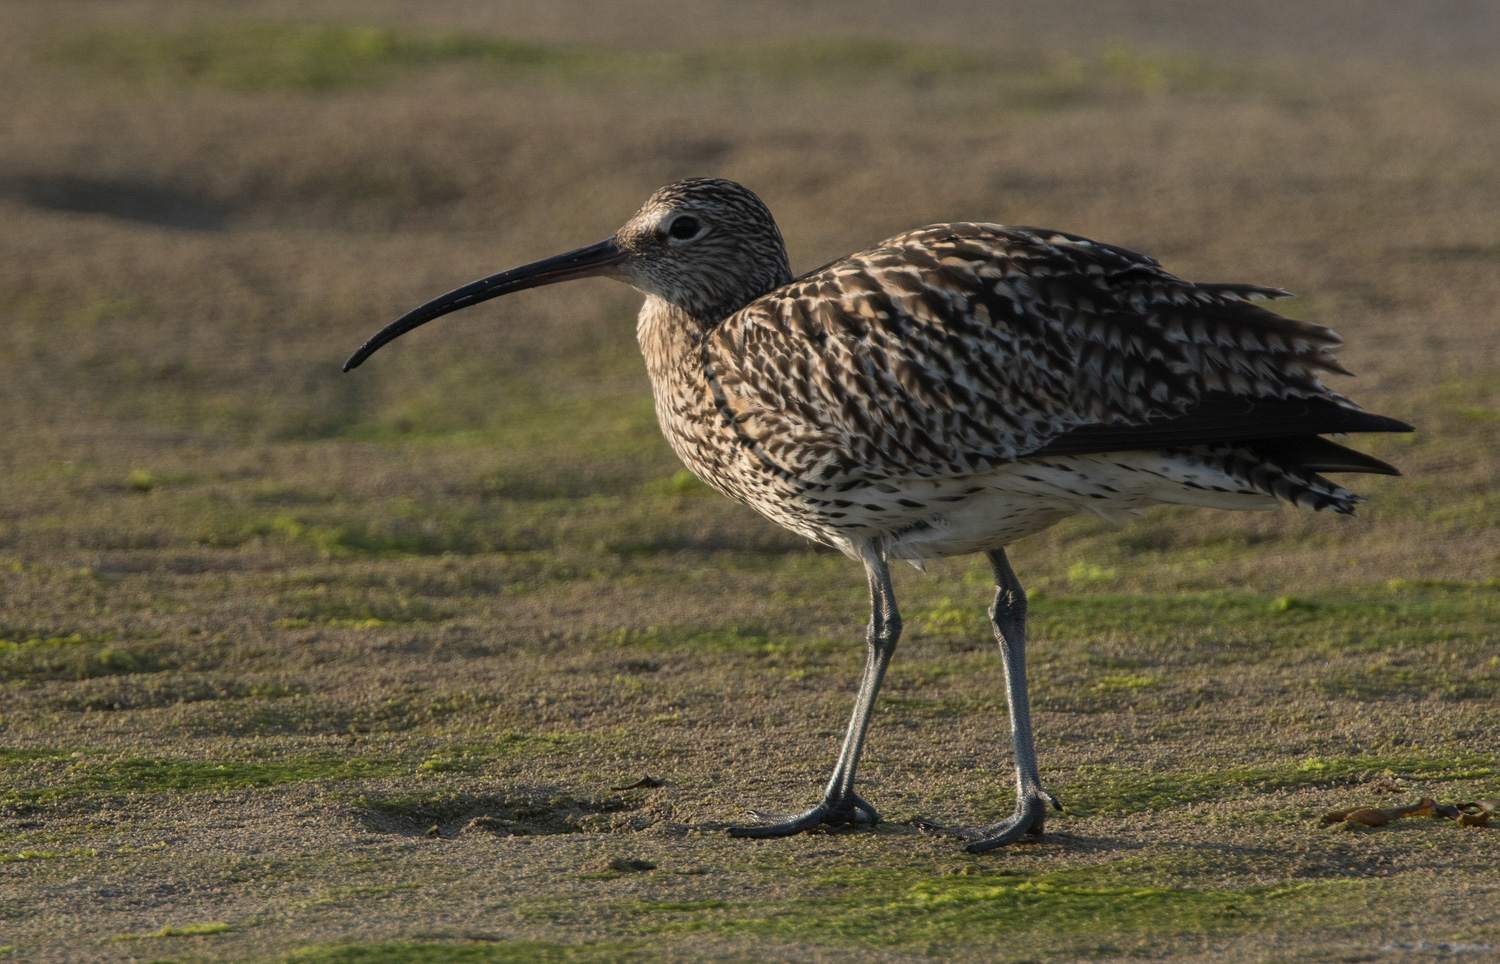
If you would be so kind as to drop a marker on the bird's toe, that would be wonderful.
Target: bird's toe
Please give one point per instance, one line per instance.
(1030, 819)
(849, 810)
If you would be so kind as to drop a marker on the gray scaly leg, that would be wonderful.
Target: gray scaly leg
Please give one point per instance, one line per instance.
(1008, 616)
(840, 804)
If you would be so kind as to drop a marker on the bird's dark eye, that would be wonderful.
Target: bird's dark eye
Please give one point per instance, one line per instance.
(684, 227)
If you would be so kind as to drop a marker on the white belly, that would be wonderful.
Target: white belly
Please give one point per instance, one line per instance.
(928, 518)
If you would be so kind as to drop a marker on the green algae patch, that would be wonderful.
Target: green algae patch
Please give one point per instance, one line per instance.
(12, 756)
(462, 952)
(73, 657)
(1065, 912)
(1124, 790)
(186, 930)
(341, 607)
(163, 775)
(351, 896)
(1240, 624)
(516, 743)
(737, 639)
(688, 906)
(270, 55)
(47, 854)
(159, 775)
(285, 56)
(1124, 683)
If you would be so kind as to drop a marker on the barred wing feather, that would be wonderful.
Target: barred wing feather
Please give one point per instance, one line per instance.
(956, 347)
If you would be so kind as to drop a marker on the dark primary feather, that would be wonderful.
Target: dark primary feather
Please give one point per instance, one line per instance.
(957, 347)
(1318, 454)
(1226, 418)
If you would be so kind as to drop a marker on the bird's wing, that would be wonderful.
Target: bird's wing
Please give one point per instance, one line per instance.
(960, 346)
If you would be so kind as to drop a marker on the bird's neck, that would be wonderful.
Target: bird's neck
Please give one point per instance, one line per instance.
(669, 337)
(672, 341)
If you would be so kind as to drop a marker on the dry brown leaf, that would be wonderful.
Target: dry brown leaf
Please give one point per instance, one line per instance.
(1425, 807)
(1368, 816)
(1483, 810)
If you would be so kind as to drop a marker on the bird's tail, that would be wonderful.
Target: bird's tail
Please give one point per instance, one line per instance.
(1288, 468)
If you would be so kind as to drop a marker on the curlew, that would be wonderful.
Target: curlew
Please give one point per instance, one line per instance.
(949, 391)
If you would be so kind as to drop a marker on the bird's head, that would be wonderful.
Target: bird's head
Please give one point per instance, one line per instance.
(707, 245)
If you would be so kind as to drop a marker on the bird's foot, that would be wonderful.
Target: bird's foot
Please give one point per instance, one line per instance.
(1029, 819)
(832, 812)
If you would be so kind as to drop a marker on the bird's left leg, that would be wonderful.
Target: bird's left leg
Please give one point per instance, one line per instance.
(1008, 616)
(840, 804)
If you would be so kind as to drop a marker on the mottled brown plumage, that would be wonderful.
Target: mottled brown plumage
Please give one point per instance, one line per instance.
(951, 390)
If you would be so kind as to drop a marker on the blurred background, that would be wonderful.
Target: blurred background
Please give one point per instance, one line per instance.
(207, 206)
(212, 539)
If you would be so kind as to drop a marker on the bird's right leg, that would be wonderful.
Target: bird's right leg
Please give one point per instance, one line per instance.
(840, 804)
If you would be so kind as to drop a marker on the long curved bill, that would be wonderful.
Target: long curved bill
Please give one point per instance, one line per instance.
(596, 259)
